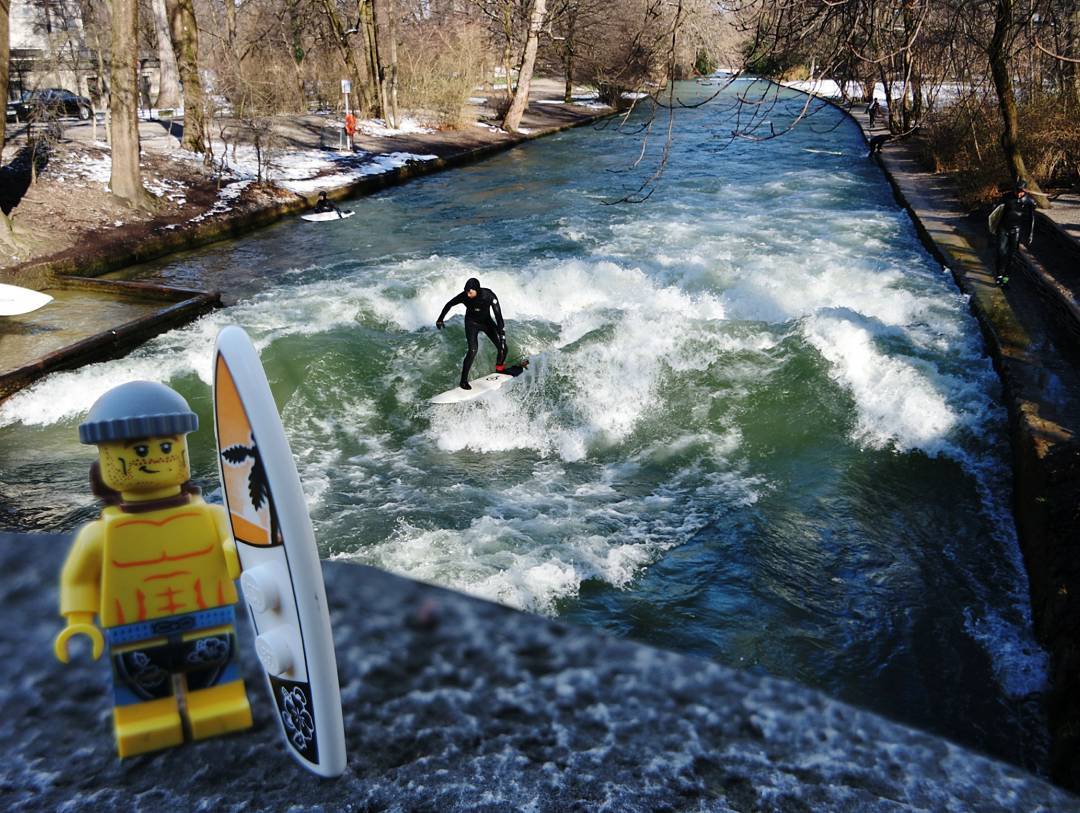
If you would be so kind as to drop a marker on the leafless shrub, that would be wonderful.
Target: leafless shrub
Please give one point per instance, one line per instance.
(438, 69)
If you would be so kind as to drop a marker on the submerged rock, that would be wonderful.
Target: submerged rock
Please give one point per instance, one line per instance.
(455, 704)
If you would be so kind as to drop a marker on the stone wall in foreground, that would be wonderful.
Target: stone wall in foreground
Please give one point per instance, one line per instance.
(455, 704)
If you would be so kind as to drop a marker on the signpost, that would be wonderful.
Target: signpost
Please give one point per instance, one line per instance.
(345, 141)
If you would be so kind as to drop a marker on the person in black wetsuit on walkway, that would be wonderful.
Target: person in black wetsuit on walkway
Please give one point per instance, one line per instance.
(479, 304)
(1016, 225)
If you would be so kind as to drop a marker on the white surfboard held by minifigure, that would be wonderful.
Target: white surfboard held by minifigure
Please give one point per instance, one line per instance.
(16, 300)
(281, 576)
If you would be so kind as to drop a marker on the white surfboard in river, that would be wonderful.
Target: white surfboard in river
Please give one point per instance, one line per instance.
(480, 386)
(319, 217)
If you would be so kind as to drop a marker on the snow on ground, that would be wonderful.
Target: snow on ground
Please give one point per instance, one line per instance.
(226, 199)
(353, 171)
(829, 89)
(308, 170)
(168, 188)
(378, 128)
(85, 169)
(591, 101)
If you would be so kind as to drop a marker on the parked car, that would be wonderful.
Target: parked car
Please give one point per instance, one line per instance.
(50, 103)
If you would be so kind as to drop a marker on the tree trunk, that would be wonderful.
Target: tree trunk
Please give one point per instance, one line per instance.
(386, 47)
(6, 235)
(528, 61)
(185, 37)
(230, 26)
(1074, 39)
(126, 180)
(294, 60)
(1010, 117)
(508, 45)
(568, 58)
(169, 79)
(375, 92)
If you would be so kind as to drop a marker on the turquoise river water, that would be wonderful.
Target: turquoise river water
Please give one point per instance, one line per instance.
(760, 425)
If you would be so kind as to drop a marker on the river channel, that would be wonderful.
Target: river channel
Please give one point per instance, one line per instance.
(760, 425)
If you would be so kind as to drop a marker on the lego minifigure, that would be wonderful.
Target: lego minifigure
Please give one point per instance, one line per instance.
(158, 569)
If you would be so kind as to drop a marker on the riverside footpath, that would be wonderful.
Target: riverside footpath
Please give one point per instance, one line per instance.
(1032, 329)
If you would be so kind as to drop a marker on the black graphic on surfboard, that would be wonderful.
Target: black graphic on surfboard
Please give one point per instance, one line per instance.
(258, 483)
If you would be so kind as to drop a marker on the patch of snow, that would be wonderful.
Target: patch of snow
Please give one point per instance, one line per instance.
(378, 128)
(352, 173)
(168, 188)
(478, 100)
(226, 197)
(97, 169)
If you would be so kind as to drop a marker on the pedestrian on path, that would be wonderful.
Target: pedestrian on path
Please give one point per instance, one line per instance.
(873, 110)
(1013, 222)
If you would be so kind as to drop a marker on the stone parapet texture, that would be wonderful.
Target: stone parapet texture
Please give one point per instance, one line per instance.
(455, 704)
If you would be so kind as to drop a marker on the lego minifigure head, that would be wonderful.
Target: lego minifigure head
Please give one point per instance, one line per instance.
(145, 466)
(139, 429)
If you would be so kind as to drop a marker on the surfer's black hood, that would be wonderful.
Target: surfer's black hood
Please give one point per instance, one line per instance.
(472, 284)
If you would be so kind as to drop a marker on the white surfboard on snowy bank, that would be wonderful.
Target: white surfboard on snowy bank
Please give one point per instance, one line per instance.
(16, 300)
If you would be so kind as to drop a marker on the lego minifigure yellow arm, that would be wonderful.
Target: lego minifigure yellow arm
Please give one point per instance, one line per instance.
(228, 544)
(80, 582)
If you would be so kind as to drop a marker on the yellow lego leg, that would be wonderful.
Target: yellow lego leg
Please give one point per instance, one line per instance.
(148, 726)
(218, 710)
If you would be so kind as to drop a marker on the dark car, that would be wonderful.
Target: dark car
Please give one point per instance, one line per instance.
(49, 104)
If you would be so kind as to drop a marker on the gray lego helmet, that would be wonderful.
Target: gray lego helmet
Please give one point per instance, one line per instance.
(138, 409)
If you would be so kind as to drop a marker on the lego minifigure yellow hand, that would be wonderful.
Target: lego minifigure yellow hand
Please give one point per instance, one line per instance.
(232, 559)
(79, 624)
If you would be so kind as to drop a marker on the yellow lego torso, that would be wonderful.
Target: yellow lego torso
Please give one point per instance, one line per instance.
(161, 563)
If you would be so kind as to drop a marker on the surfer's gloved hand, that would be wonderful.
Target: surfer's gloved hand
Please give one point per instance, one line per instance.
(439, 324)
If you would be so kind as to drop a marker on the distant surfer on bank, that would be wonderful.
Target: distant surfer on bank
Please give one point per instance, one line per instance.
(479, 304)
(1015, 224)
(326, 205)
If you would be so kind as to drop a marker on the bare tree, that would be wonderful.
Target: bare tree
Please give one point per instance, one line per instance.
(340, 36)
(168, 76)
(7, 236)
(185, 37)
(385, 41)
(126, 180)
(521, 94)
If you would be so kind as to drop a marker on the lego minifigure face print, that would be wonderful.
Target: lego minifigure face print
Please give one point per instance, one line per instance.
(144, 464)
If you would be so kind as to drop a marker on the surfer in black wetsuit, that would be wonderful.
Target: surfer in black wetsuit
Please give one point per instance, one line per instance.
(325, 205)
(479, 304)
(1016, 225)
